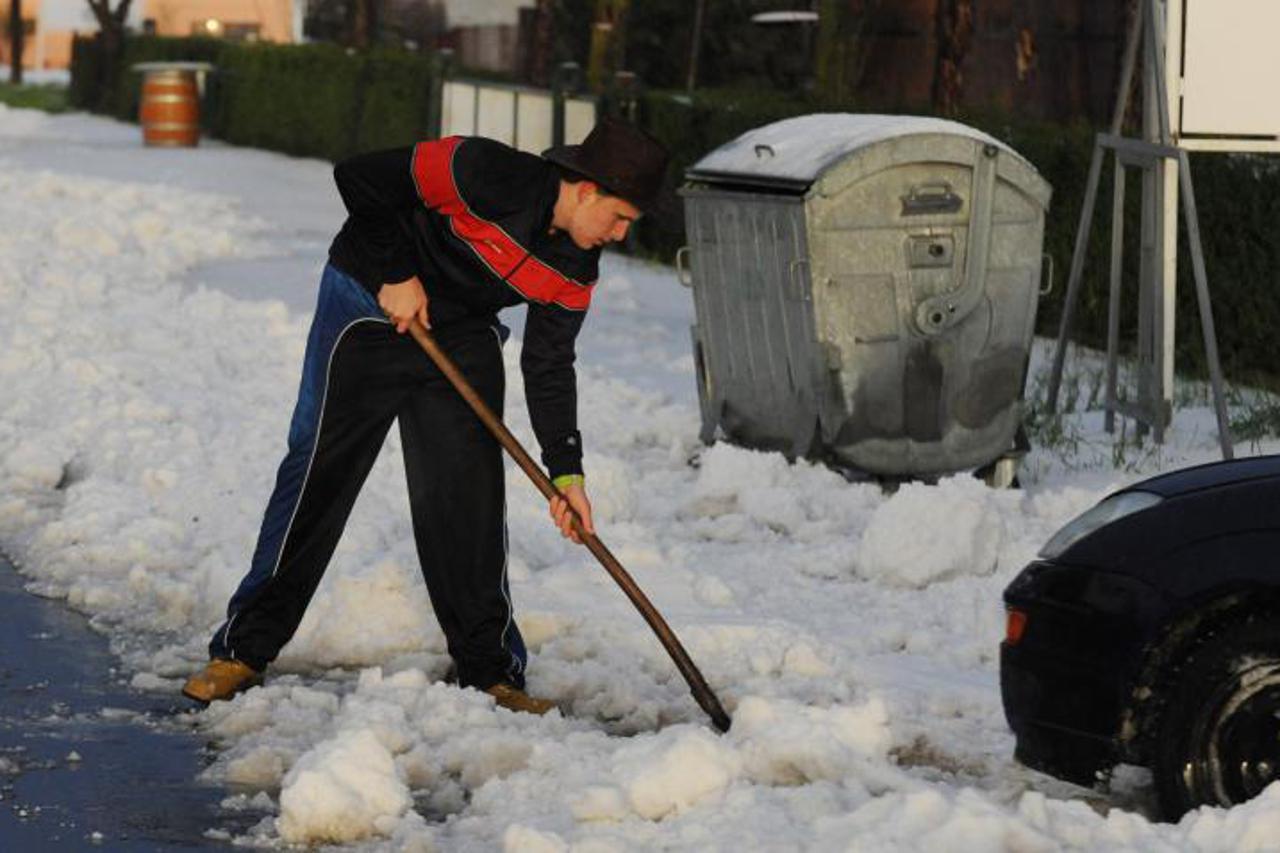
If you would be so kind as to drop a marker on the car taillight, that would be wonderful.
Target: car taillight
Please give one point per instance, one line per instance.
(1015, 626)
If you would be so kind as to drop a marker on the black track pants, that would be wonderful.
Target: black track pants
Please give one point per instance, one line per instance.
(359, 376)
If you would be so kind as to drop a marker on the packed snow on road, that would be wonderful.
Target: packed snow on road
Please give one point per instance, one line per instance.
(156, 304)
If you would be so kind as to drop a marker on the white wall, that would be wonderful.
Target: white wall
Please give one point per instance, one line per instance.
(75, 15)
(479, 13)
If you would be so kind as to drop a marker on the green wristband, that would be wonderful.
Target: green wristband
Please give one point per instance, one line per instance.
(564, 481)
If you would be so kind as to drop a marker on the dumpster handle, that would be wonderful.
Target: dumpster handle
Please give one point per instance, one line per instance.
(802, 293)
(684, 273)
(931, 198)
(1047, 287)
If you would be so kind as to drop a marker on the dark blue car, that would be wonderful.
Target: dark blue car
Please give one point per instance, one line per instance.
(1148, 633)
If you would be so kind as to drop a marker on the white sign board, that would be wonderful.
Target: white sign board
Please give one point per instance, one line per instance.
(1229, 65)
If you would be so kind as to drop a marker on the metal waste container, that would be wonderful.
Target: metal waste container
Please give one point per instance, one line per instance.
(865, 289)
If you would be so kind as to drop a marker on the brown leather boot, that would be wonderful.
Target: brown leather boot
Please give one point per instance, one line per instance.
(514, 699)
(221, 679)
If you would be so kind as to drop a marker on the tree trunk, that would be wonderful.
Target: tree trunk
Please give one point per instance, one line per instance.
(955, 30)
(830, 53)
(1129, 15)
(15, 42)
(845, 29)
(110, 45)
(362, 23)
(608, 40)
(540, 66)
(695, 44)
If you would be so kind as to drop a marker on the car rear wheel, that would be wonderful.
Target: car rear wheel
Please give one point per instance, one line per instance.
(1219, 737)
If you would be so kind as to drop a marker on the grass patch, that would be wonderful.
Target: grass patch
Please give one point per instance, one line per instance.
(49, 97)
(1256, 419)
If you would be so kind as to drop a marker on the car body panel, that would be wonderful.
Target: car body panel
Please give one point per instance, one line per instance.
(1095, 612)
(1145, 543)
(1064, 685)
(1210, 475)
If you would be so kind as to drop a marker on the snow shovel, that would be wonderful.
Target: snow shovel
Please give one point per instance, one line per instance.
(697, 684)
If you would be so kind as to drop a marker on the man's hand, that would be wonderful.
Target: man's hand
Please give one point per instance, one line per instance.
(402, 301)
(575, 497)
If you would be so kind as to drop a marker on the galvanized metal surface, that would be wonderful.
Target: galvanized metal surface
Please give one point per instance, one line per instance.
(881, 315)
(796, 151)
(756, 358)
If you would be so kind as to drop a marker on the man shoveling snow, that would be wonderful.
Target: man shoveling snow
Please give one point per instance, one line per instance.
(463, 227)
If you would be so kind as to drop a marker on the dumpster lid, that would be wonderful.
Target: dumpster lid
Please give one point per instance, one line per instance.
(792, 153)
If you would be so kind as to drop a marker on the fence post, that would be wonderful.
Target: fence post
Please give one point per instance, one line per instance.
(624, 96)
(441, 68)
(564, 82)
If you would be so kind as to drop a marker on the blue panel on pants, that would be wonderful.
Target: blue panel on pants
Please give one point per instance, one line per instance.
(341, 303)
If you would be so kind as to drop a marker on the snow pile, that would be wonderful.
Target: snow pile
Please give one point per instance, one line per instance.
(852, 633)
(343, 790)
(943, 545)
(1251, 826)
(105, 361)
(785, 743)
(661, 778)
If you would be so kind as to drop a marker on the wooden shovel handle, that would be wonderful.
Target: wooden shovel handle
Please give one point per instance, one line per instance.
(697, 684)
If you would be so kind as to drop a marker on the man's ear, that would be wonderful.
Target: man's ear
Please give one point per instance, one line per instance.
(586, 190)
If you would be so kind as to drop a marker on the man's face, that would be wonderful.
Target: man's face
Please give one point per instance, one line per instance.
(599, 219)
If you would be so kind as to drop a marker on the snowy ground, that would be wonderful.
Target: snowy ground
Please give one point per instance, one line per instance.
(155, 307)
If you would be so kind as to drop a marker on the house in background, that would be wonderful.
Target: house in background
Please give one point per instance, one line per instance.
(51, 24)
(237, 20)
(484, 33)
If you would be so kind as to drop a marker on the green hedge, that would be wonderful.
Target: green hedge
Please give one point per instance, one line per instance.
(117, 93)
(323, 101)
(307, 100)
(296, 99)
(1239, 202)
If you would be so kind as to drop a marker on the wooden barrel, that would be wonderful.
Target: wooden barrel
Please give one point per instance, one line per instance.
(170, 110)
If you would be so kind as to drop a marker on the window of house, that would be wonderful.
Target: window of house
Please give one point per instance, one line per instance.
(229, 30)
(243, 32)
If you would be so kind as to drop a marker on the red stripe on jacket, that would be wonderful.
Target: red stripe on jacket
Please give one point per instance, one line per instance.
(513, 263)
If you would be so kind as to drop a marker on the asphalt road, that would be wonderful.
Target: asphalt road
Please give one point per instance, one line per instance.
(86, 763)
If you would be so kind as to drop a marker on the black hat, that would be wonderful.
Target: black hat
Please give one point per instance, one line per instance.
(620, 157)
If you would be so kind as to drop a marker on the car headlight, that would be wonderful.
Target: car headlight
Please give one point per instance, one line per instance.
(1112, 509)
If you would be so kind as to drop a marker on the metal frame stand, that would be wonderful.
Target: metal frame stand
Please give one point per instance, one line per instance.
(1154, 155)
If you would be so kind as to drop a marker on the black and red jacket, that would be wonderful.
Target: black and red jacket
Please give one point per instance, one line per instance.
(471, 218)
